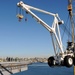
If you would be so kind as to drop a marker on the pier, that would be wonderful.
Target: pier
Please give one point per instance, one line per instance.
(7, 68)
(11, 67)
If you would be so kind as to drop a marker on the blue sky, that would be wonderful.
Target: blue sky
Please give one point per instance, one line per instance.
(27, 39)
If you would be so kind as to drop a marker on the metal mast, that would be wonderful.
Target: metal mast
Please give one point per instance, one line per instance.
(71, 18)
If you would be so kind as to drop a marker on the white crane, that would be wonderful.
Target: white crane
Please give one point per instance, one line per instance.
(63, 57)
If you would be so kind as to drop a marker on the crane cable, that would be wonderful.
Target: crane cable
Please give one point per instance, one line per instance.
(19, 13)
(65, 29)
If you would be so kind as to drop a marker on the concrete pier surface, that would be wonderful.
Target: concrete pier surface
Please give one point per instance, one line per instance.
(16, 70)
(8, 68)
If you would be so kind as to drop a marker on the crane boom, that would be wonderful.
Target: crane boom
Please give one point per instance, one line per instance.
(50, 29)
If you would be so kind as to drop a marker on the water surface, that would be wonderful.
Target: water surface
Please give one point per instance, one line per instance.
(44, 69)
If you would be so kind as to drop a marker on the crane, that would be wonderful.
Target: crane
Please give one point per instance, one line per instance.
(63, 57)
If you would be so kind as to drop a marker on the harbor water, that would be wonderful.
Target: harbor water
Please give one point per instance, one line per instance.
(44, 69)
